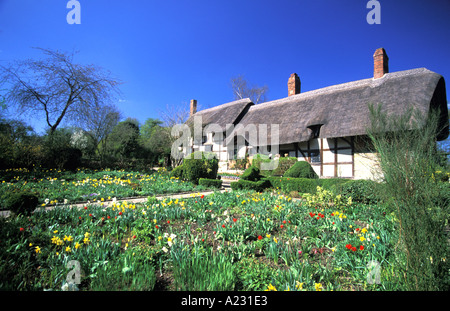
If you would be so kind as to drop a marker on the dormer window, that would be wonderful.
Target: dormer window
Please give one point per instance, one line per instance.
(315, 130)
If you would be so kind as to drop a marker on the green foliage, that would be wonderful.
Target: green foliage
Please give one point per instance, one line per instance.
(333, 184)
(210, 183)
(406, 149)
(253, 274)
(284, 164)
(258, 186)
(361, 190)
(201, 270)
(22, 202)
(301, 169)
(177, 172)
(200, 166)
(288, 184)
(258, 159)
(251, 174)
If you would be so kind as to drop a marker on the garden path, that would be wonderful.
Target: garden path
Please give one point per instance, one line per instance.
(134, 200)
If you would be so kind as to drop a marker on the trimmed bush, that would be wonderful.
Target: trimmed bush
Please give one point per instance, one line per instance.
(22, 202)
(257, 186)
(195, 167)
(210, 183)
(284, 164)
(301, 169)
(333, 184)
(258, 159)
(301, 185)
(252, 174)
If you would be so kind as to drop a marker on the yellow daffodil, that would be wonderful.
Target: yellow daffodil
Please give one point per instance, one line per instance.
(77, 245)
(37, 249)
(318, 287)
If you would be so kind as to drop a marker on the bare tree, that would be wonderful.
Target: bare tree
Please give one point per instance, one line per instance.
(99, 123)
(57, 87)
(241, 89)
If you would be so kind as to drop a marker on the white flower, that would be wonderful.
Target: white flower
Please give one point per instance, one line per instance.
(164, 249)
(47, 201)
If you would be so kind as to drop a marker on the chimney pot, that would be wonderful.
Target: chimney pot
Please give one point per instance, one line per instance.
(193, 107)
(294, 85)
(380, 63)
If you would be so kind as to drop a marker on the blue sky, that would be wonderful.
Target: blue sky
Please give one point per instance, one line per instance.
(169, 52)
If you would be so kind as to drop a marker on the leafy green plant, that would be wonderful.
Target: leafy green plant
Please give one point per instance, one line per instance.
(251, 174)
(253, 274)
(202, 270)
(210, 183)
(406, 150)
(22, 202)
(301, 169)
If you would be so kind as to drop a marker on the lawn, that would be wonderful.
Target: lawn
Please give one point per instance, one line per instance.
(224, 241)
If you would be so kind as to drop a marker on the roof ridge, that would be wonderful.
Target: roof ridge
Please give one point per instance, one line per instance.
(342, 86)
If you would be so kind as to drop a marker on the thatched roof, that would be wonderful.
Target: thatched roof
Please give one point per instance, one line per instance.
(224, 115)
(342, 110)
(339, 110)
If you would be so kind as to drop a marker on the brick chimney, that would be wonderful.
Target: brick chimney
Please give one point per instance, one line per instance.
(293, 85)
(380, 63)
(193, 107)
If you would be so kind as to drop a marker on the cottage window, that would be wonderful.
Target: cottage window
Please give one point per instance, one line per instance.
(315, 156)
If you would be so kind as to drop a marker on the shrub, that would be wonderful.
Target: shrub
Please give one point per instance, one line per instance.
(252, 174)
(284, 164)
(333, 184)
(210, 183)
(360, 190)
(22, 202)
(301, 169)
(257, 186)
(197, 167)
(177, 172)
(301, 185)
(258, 159)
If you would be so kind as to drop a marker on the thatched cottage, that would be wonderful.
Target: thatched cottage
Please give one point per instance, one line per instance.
(324, 127)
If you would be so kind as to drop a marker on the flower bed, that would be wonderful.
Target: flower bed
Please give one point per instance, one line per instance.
(53, 186)
(224, 241)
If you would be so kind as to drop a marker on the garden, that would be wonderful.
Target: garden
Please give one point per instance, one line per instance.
(330, 237)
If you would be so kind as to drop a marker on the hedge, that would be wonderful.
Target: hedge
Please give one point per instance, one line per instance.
(302, 185)
(257, 186)
(361, 190)
(210, 183)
